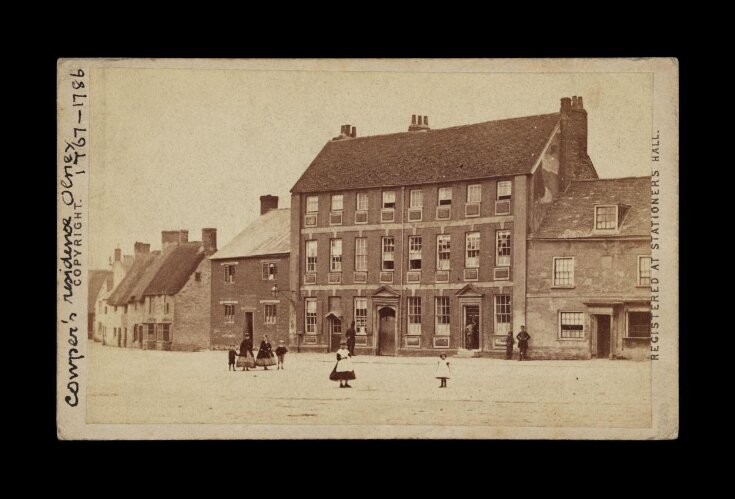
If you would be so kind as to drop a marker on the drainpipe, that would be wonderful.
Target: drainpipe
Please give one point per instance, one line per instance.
(403, 257)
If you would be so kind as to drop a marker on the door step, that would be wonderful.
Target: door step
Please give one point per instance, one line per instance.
(463, 353)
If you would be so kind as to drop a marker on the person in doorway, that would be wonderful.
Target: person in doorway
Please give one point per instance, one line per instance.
(343, 371)
(350, 335)
(245, 357)
(470, 331)
(265, 354)
(281, 353)
(231, 355)
(509, 341)
(523, 338)
(443, 373)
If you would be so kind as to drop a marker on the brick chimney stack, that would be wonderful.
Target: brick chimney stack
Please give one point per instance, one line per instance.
(574, 163)
(173, 237)
(141, 249)
(268, 203)
(419, 123)
(209, 241)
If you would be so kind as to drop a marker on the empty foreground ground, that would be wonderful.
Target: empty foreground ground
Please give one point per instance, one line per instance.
(134, 386)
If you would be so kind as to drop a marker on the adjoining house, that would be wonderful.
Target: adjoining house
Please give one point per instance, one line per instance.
(163, 301)
(120, 265)
(589, 272)
(420, 237)
(100, 283)
(250, 286)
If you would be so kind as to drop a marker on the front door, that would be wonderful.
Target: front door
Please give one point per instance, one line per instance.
(335, 331)
(387, 331)
(603, 336)
(248, 327)
(471, 322)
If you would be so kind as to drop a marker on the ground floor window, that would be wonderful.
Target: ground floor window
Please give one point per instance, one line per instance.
(229, 313)
(502, 314)
(151, 332)
(639, 324)
(571, 325)
(441, 314)
(311, 316)
(361, 315)
(270, 313)
(414, 315)
(163, 332)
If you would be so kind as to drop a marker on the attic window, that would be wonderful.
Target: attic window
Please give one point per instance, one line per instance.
(606, 217)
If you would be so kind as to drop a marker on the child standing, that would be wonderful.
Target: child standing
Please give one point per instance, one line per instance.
(231, 354)
(281, 353)
(442, 370)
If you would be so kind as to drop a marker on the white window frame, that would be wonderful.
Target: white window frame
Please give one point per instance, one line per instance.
(416, 199)
(312, 204)
(361, 305)
(477, 189)
(442, 196)
(504, 190)
(442, 328)
(502, 260)
(500, 312)
(229, 318)
(616, 210)
(338, 202)
(640, 270)
(362, 201)
(335, 255)
(387, 195)
(578, 336)
(229, 270)
(443, 264)
(472, 262)
(413, 306)
(269, 318)
(387, 256)
(627, 324)
(311, 260)
(415, 245)
(361, 254)
(554, 282)
(311, 325)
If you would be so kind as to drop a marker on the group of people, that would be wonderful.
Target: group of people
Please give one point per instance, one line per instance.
(343, 370)
(245, 359)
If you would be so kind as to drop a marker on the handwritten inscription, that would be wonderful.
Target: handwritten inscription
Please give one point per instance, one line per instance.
(74, 158)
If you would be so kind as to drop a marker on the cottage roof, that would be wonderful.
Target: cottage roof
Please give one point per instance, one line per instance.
(490, 149)
(572, 214)
(122, 293)
(171, 270)
(269, 234)
(97, 278)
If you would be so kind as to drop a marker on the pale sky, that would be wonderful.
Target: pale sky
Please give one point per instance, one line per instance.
(186, 149)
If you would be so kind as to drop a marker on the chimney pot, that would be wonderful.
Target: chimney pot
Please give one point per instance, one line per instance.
(413, 119)
(579, 103)
(426, 121)
(118, 255)
(354, 132)
(268, 203)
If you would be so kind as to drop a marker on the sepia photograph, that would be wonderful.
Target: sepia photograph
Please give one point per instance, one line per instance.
(367, 249)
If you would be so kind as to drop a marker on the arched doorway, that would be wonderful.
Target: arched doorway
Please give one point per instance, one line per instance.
(387, 331)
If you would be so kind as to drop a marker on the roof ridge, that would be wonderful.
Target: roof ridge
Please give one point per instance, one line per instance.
(430, 130)
(610, 178)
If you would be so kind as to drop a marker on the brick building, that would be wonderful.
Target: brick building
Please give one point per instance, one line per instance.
(416, 235)
(589, 272)
(250, 289)
(163, 301)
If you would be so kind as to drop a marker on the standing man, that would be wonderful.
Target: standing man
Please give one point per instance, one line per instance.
(350, 335)
(523, 338)
(509, 341)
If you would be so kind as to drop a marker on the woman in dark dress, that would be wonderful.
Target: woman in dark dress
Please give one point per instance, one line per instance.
(246, 353)
(265, 354)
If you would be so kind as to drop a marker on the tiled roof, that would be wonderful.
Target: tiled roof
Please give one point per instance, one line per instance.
(572, 214)
(490, 149)
(269, 234)
(97, 278)
(123, 291)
